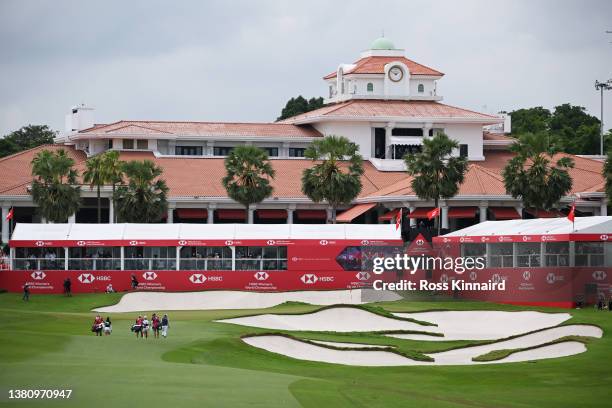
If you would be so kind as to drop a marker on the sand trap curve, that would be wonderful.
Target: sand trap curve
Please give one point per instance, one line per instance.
(337, 319)
(349, 345)
(482, 325)
(304, 351)
(223, 299)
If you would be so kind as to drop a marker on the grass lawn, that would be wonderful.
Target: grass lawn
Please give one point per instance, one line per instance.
(47, 343)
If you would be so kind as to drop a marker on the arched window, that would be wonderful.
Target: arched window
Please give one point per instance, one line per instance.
(421, 88)
(370, 87)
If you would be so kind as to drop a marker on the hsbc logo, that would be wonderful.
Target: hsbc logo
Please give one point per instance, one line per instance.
(309, 278)
(484, 239)
(295, 259)
(473, 276)
(81, 243)
(86, 278)
(446, 240)
(365, 242)
(133, 243)
(462, 239)
(604, 237)
(363, 276)
(526, 238)
(40, 243)
(38, 275)
(547, 238)
(420, 242)
(149, 276)
(323, 242)
(271, 242)
(444, 278)
(182, 243)
(229, 242)
(551, 278)
(526, 275)
(496, 278)
(261, 276)
(599, 275)
(197, 278)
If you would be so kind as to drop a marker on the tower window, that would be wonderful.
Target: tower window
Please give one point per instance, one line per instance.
(463, 150)
(421, 88)
(370, 87)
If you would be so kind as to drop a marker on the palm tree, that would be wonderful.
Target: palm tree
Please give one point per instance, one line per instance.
(331, 179)
(113, 168)
(54, 187)
(436, 172)
(95, 175)
(144, 198)
(532, 176)
(248, 176)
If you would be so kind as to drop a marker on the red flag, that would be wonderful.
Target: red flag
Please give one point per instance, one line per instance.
(398, 220)
(9, 216)
(433, 213)
(572, 214)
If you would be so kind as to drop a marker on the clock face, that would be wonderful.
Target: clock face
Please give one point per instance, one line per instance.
(396, 74)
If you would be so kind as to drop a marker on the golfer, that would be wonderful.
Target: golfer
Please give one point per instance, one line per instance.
(145, 327)
(137, 327)
(26, 293)
(164, 325)
(134, 282)
(108, 327)
(98, 325)
(67, 287)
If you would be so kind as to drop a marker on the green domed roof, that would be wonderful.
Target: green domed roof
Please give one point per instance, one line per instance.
(382, 43)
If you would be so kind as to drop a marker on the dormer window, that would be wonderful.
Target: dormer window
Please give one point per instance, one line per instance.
(421, 88)
(370, 87)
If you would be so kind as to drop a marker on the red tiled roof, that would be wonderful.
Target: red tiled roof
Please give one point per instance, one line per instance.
(203, 129)
(376, 65)
(391, 108)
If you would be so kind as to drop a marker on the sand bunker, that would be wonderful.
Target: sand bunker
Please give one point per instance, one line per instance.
(304, 351)
(349, 345)
(209, 300)
(337, 319)
(482, 325)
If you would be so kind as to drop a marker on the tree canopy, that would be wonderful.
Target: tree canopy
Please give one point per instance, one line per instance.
(570, 128)
(607, 173)
(298, 105)
(26, 138)
(536, 175)
(330, 179)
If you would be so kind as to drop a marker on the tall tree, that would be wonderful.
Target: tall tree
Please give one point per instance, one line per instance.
(607, 173)
(114, 171)
(530, 120)
(535, 174)
(95, 175)
(330, 179)
(144, 197)
(298, 105)
(248, 176)
(26, 138)
(436, 172)
(54, 188)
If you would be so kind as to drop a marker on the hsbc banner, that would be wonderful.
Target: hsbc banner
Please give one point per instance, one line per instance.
(51, 281)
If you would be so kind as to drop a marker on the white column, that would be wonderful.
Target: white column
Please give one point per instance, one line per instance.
(388, 129)
(111, 211)
(211, 214)
(413, 221)
(329, 215)
(65, 258)
(444, 216)
(122, 258)
(170, 215)
(72, 219)
(251, 215)
(284, 150)
(210, 148)
(5, 225)
(290, 215)
(603, 209)
(519, 209)
(483, 211)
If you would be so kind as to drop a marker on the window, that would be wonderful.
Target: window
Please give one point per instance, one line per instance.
(142, 144)
(556, 253)
(150, 258)
(474, 251)
(331, 91)
(272, 151)
(501, 255)
(128, 144)
(589, 253)
(407, 132)
(39, 258)
(528, 254)
(342, 87)
(270, 258)
(94, 258)
(222, 150)
(421, 88)
(370, 87)
(206, 258)
(188, 150)
(110, 144)
(463, 150)
(296, 151)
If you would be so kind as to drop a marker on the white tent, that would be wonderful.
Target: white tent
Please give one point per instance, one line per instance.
(539, 226)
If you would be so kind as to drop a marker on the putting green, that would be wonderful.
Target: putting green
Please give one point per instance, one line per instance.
(46, 343)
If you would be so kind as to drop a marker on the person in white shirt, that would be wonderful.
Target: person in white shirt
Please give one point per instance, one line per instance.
(145, 327)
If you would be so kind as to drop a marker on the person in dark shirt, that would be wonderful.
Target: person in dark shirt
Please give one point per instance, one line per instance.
(134, 282)
(164, 326)
(26, 292)
(67, 287)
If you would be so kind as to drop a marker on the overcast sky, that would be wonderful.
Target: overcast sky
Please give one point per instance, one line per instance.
(241, 60)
